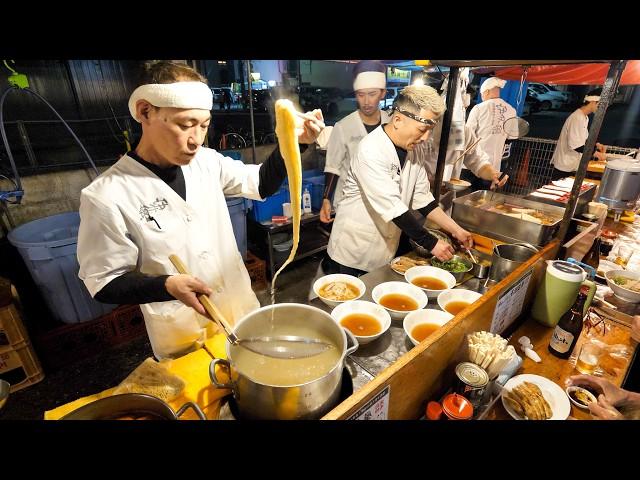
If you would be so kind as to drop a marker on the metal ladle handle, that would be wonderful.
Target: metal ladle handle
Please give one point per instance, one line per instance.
(208, 305)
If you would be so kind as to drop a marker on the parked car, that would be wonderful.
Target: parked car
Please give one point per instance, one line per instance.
(219, 95)
(549, 97)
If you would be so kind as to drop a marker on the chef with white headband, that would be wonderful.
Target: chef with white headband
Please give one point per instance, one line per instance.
(573, 136)
(369, 86)
(167, 196)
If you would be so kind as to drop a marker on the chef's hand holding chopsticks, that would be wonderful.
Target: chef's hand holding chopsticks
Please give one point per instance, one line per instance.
(464, 237)
(309, 125)
(185, 288)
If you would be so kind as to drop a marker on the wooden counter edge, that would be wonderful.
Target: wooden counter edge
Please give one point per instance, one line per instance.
(433, 356)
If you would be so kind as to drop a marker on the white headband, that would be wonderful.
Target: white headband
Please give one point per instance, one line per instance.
(177, 95)
(370, 80)
(592, 98)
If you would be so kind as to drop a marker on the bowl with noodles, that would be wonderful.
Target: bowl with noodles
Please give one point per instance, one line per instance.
(337, 288)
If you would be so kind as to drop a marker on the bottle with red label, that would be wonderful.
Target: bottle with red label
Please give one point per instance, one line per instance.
(567, 331)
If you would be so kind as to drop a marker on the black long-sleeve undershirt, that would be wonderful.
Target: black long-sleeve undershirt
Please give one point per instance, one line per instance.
(137, 288)
(409, 224)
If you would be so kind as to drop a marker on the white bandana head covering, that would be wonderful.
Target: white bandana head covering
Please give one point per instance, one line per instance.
(592, 98)
(492, 82)
(369, 74)
(177, 95)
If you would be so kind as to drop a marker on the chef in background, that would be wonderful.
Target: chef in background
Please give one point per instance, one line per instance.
(573, 136)
(369, 85)
(486, 120)
(385, 187)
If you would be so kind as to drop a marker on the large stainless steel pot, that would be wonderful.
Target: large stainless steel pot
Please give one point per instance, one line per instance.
(309, 400)
(507, 257)
(620, 185)
(130, 404)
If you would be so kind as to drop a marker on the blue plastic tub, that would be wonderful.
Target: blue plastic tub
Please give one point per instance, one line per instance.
(238, 213)
(262, 211)
(49, 246)
(235, 154)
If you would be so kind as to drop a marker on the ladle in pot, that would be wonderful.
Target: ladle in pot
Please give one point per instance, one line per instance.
(281, 346)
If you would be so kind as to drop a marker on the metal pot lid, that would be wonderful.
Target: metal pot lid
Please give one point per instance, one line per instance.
(623, 165)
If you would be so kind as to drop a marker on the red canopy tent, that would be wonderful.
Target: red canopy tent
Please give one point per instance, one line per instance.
(574, 74)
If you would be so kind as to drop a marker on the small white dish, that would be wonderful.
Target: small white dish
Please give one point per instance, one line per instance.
(457, 295)
(369, 308)
(402, 288)
(579, 395)
(338, 277)
(430, 271)
(426, 316)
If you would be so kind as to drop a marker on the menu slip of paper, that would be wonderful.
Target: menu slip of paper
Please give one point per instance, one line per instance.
(509, 305)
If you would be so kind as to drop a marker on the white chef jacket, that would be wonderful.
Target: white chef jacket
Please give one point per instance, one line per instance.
(342, 146)
(574, 134)
(475, 159)
(117, 236)
(375, 192)
(486, 121)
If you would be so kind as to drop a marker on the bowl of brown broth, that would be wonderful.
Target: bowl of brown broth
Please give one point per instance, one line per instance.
(421, 324)
(366, 320)
(431, 280)
(399, 298)
(456, 300)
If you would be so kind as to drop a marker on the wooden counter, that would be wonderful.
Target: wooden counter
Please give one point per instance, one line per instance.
(614, 367)
(424, 371)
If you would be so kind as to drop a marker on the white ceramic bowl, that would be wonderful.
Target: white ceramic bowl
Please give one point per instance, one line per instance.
(429, 271)
(369, 308)
(575, 388)
(427, 315)
(338, 277)
(403, 288)
(619, 290)
(457, 295)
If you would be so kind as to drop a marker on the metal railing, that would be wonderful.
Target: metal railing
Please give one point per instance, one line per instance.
(529, 164)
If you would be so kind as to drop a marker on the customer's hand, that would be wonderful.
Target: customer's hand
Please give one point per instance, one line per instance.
(600, 147)
(635, 328)
(325, 211)
(443, 251)
(614, 395)
(185, 288)
(603, 410)
(309, 125)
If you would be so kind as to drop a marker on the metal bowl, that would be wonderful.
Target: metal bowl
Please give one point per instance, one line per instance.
(459, 276)
(457, 186)
(439, 234)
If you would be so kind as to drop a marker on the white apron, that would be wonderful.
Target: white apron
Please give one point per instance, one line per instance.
(342, 146)
(119, 205)
(375, 192)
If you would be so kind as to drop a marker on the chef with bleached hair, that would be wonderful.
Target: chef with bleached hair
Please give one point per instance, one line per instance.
(385, 188)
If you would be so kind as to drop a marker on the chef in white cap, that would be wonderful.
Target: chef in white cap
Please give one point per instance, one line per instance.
(573, 136)
(369, 85)
(167, 196)
(486, 121)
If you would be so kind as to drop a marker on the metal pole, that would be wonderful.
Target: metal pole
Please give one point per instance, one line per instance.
(608, 93)
(253, 133)
(452, 90)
